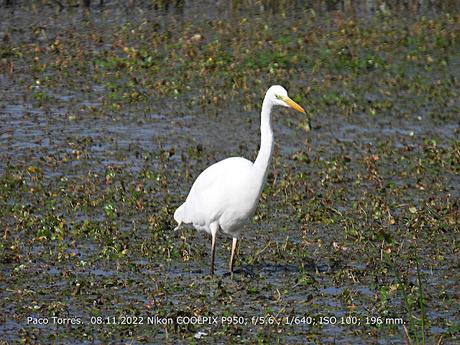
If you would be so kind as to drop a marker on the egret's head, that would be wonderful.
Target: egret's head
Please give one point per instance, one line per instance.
(278, 96)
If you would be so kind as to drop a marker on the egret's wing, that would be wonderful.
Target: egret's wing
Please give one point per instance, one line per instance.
(212, 189)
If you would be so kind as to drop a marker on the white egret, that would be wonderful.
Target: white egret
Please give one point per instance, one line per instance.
(225, 195)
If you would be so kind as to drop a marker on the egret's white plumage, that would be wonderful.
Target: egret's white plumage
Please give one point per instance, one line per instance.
(225, 195)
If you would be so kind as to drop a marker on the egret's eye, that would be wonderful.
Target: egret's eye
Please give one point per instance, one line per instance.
(278, 97)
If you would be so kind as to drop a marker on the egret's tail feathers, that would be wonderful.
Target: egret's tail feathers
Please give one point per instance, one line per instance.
(178, 216)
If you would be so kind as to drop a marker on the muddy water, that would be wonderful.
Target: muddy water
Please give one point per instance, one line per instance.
(108, 114)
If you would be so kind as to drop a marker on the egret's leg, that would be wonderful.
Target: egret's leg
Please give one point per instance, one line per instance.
(213, 251)
(214, 227)
(232, 255)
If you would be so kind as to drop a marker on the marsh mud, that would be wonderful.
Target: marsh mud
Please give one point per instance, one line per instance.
(109, 112)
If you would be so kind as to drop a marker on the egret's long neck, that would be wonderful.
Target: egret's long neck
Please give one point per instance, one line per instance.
(266, 140)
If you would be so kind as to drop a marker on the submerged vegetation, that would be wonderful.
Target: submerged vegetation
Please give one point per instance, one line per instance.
(109, 114)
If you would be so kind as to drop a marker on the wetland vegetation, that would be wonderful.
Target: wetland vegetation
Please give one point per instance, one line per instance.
(108, 112)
